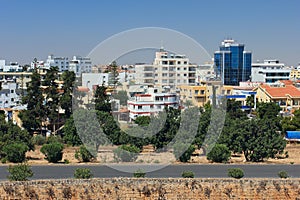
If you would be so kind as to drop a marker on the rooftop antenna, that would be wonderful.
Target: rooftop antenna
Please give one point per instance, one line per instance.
(161, 46)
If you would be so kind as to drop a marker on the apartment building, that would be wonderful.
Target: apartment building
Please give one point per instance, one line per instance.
(80, 65)
(167, 71)
(10, 95)
(270, 71)
(11, 67)
(151, 103)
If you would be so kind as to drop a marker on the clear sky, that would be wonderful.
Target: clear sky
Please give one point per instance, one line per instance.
(35, 28)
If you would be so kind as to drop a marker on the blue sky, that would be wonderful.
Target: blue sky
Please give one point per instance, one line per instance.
(32, 28)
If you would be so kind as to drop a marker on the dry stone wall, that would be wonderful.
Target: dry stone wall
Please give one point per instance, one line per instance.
(147, 188)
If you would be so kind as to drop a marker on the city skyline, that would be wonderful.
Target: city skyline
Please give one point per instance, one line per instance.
(36, 29)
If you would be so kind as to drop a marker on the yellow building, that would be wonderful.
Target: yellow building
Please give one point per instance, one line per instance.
(295, 74)
(202, 94)
(286, 95)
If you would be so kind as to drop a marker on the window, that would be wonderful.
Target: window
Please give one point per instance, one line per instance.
(178, 62)
(171, 62)
(164, 62)
(12, 99)
(140, 107)
(151, 106)
(11, 91)
(178, 74)
(185, 62)
(184, 74)
(164, 68)
(184, 68)
(178, 68)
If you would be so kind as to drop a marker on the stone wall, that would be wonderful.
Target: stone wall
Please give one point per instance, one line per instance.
(148, 188)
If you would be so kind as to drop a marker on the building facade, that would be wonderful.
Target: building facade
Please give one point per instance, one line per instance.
(151, 103)
(167, 71)
(11, 67)
(232, 63)
(10, 95)
(80, 65)
(285, 94)
(62, 63)
(270, 71)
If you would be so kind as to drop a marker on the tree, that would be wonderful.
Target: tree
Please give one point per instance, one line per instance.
(122, 96)
(113, 79)
(68, 77)
(291, 123)
(83, 155)
(126, 153)
(142, 120)
(70, 135)
(11, 133)
(20, 172)
(181, 154)
(83, 173)
(261, 139)
(220, 153)
(15, 152)
(169, 130)
(102, 100)
(268, 110)
(52, 97)
(53, 151)
(34, 115)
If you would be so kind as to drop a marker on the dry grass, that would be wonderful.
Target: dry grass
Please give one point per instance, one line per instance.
(105, 155)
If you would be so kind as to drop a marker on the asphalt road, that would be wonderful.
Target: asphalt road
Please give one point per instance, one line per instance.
(205, 171)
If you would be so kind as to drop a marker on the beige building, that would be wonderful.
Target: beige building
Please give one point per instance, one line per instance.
(284, 93)
(168, 70)
(202, 94)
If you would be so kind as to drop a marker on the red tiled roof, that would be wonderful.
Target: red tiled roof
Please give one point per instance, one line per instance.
(278, 92)
(287, 82)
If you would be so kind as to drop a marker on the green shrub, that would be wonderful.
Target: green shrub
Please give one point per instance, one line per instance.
(188, 174)
(53, 151)
(139, 173)
(66, 161)
(83, 154)
(4, 160)
(283, 174)
(219, 153)
(83, 173)
(20, 172)
(180, 154)
(126, 153)
(38, 140)
(15, 152)
(54, 139)
(235, 173)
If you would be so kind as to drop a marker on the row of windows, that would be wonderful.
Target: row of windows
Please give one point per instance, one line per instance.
(165, 62)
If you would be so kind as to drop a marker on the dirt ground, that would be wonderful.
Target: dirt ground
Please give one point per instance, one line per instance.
(105, 155)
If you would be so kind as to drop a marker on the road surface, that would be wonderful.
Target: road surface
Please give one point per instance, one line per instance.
(205, 171)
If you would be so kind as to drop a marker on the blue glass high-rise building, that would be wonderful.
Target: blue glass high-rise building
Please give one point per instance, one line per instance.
(232, 63)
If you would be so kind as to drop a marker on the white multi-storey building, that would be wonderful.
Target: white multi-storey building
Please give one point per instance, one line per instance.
(9, 95)
(205, 72)
(90, 79)
(151, 103)
(12, 67)
(270, 71)
(62, 63)
(80, 65)
(168, 70)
